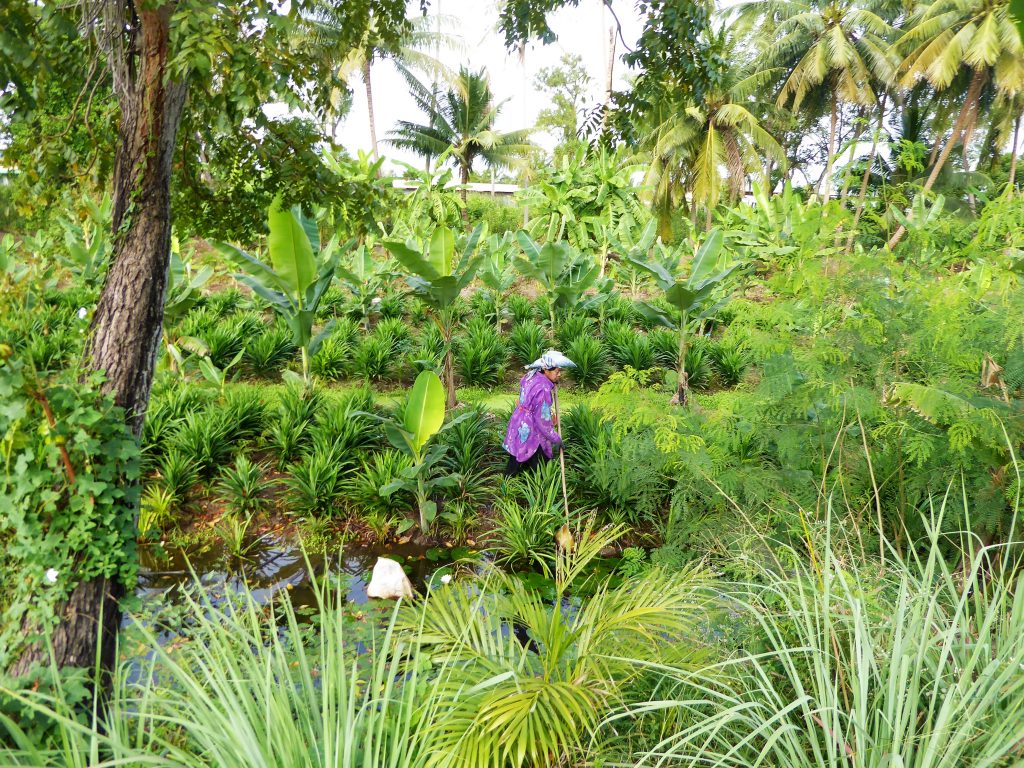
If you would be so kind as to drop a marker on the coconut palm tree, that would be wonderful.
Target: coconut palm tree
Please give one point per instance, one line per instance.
(409, 54)
(703, 149)
(839, 45)
(947, 37)
(460, 120)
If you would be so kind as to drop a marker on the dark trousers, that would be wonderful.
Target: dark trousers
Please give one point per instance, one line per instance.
(516, 467)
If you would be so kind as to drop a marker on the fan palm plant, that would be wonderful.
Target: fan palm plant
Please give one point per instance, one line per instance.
(460, 120)
(536, 702)
(946, 37)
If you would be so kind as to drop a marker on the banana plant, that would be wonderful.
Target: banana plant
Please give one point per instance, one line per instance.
(88, 241)
(498, 273)
(421, 421)
(218, 376)
(11, 267)
(365, 279)
(295, 280)
(694, 297)
(437, 279)
(434, 200)
(183, 291)
(561, 272)
(631, 250)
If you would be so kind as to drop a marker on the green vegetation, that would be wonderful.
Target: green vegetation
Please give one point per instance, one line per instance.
(787, 262)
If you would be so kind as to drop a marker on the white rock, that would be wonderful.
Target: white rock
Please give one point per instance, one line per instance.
(388, 581)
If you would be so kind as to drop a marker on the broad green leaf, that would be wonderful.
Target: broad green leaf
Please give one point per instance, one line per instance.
(681, 297)
(424, 413)
(411, 260)
(442, 250)
(309, 226)
(706, 258)
(530, 247)
(290, 251)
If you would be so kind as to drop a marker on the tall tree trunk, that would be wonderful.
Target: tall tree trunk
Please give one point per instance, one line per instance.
(608, 80)
(464, 180)
(1013, 156)
(966, 111)
(831, 149)
(127, 324)
(861, 196)
(369, 106)
(847, 172)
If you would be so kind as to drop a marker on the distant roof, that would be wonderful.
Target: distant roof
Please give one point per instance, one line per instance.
(485, 187)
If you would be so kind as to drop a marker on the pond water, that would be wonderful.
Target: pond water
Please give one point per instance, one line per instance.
(276, 564)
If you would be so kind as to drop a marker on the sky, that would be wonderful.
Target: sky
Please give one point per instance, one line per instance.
(582, 31)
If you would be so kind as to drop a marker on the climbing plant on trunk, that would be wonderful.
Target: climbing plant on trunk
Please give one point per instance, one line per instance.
(239, 56)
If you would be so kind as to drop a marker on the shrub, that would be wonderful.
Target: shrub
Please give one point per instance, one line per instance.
(392, 305)
(527, 342)
(480, 357)
(245, 413)
(634, 350)
(457, 518)
(53, 350)
(622, 309)
(591, 358)
(346, 330)
(699, 370)
(243, 487)
(344, 428)
(198, 322)
(665, 346)
(583, 427)
(374, 358)
(428, 354)
(270, 352)
(362, 489)
(156, 509)
(624, 475)
(290, 433)
(470, 454)
(247, 325)
(178, 472)
(523, 534)
(730, 360)
(287, 437)
(206, 437)
(314, 484)
(332, 303)
(164, 415)
(224, 303)
(572, 327)
(396, 331)
(331, 358)
(521, 309)
(223, 342)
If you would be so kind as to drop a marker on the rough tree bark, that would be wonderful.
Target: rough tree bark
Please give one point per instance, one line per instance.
(1013, 156)
(369, 107)
(126, 326)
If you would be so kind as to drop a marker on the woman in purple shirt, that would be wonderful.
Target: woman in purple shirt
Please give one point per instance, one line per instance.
(532, 435)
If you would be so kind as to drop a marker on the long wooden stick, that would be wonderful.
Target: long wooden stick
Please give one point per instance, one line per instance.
(561, 455)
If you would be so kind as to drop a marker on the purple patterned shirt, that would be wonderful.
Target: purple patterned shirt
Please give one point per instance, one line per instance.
(530, 427)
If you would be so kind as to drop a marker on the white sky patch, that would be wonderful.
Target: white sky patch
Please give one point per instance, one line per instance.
(582, 31)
